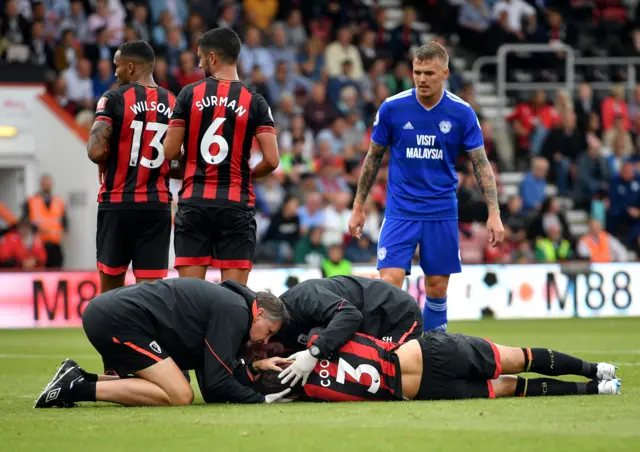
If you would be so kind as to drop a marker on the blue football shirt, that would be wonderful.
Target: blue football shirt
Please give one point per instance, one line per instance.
(425, 144)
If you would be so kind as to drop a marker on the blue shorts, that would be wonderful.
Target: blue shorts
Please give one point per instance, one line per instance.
(439, 245)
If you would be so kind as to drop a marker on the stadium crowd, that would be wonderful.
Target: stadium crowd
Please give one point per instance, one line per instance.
(326, 66)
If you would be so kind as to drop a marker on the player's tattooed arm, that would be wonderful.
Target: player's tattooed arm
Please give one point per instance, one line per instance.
(372, 164)
(99, 141)
(484, 177)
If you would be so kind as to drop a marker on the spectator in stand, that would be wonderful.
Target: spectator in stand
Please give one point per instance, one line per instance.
(178, 9)
(187, 73)
(252, 54)
(585, 105)
(318, 113)
(532, 187)
(379, 26)
(175, 46)
(41, 53)
(339, 51)
(523, 254)
(14, 27)
(100, 50)
(160, 32)
(512, 14)
(279, 50)
(562, 147)
(503, 253)
(404, 36)
(287, 109)
(261, 12)
(140, 22)
(336, 219)
(309, 250)
(68, 52)
(104, 79)
(361, 251)
(614, 106)
(22, 248)
(368, 50)
(105, 17)
(59, 92)
(466, 93)
(634, 110)
(311, 59)
(554, 31)
(550, 214)
(286, 81)
(311, 214)
(163, 77)
(599, 246)
(77, 21)
(294, 163)
(401, 78)
(524, 119)
(335, 264)
(295, 30)
(513, 216)
(553, 247)
(334, 135)
(330, 181)
(593, 174)
(229, 18)
(297, 131)
(345, 79)
(619, 141)
(624, 210)
(283, 233)
(270, 195)
(474, 20)
(80, 86)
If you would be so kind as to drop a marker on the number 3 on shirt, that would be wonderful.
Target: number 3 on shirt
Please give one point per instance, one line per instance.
(344, 369)
(156, 143)
(211, 138)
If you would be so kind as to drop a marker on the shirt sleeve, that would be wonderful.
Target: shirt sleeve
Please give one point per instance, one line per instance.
(224, 338)
(342, 319)
(472, 132)
(106, 107)
(381, 132)
(182, 107)
(264, 118)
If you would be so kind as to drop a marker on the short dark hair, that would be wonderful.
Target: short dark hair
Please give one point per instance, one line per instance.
(269, 383)
(274, 307)
(432, 51)
(139, 49)
(224, 42)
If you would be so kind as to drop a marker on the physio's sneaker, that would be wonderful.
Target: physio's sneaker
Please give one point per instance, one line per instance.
(606, 371)
(610, 387)
(57, 392)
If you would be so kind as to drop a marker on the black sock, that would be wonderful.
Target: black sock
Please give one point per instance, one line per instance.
(550, 362)
(539, 387)
(84, 392)
(91, 378)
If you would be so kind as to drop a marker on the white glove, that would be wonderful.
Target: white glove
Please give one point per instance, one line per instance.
(303, 365)
(278, 397)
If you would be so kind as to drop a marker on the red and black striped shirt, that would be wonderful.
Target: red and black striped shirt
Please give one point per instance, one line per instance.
(137, 174)
(220, 118)
(363, 369)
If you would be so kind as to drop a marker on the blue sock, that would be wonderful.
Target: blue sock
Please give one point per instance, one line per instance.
(435, 314)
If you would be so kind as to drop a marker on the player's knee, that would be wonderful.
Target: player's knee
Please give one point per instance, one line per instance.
(437, 286)
(182, 397)
(393, 277)
(504, 386)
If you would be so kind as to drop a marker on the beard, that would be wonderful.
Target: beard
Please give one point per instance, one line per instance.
(207, 71)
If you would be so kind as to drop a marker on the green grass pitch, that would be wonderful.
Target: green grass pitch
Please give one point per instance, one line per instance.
(28, 359)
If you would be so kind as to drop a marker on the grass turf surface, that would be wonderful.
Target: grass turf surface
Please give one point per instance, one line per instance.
(28, 359)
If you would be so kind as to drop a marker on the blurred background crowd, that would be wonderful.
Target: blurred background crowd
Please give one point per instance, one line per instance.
(567, 162)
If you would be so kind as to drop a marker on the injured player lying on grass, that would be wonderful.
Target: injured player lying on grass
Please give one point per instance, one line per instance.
(442, 366)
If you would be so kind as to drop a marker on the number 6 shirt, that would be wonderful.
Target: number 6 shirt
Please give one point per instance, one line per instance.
(136, 172)
(220, 118)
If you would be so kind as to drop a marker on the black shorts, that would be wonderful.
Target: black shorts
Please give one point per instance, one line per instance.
(409, 328)
(124, 348)
(455, 366)
(220, 236)
(138, 236)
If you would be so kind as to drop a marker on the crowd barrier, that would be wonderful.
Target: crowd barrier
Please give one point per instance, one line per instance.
(57, 299)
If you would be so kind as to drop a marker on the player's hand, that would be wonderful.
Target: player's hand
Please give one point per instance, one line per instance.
(496, 230)
(278, 397)
(270, 364)
(356, 222)
(102, 169)
(302, 366)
